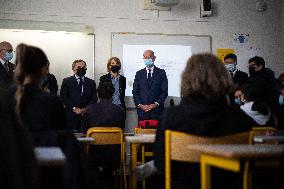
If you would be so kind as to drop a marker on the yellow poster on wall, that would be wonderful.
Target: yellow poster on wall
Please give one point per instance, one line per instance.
(221, 53)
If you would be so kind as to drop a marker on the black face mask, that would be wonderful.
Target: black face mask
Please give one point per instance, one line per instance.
(251, 70)
(81, 72)
(115, 68)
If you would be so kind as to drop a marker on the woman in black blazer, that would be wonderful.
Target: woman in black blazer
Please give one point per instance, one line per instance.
(118, 81)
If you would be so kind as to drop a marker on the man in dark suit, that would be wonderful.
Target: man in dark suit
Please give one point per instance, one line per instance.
(150, 89)
(77, 92)
(6, 67)
(238, 76)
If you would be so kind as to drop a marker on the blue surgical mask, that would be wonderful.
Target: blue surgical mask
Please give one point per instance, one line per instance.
(281, 100)
(148, 62)
(231, 67)
(8, 56)
(238, 101)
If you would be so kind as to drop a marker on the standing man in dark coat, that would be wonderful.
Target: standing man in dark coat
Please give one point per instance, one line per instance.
(150, 89)
(6, 67)
(77, 92)
(238, 76)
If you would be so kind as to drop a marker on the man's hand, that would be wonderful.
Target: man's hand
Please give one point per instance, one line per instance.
(78, 111)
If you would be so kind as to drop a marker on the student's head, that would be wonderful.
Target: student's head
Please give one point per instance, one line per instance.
(230, 61)
(113, 65)
(6, 51)
(149, 58)
(256, 90)
(31, 68)
(79, 67)
(256, 64)
(205, 77)
(105, 90)
(31, 63)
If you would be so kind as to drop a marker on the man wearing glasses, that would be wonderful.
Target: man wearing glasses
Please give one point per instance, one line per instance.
(6, 67)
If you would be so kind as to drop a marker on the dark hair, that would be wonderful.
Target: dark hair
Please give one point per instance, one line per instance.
(206, 77)
(29, 62)
(105, 90)
(232, 56)
(109, 62)
(258, 61)
(76, 61)
(256, 90)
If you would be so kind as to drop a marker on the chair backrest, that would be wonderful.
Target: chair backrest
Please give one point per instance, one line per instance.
(255, 131)
(176, 142)
(107, 136)
(138, 130)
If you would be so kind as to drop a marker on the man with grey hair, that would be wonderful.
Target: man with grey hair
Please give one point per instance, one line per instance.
(6, 67)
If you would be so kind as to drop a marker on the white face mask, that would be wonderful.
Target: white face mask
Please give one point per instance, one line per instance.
(231, 67)
(281, 98)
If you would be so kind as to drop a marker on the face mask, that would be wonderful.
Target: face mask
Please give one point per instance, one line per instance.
(231, 67)
(281, 100)
(238, 101)
(148, 62)
(81, 72)
(8, 56)
(251, 70)
(115, 68)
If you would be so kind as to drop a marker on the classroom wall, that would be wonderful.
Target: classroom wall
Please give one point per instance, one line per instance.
(230, 17)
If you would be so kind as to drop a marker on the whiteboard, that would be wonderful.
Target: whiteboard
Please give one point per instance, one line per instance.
(61, 48)
(171, 50)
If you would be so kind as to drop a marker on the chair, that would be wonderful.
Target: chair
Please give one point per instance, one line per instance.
(110, 136)
(255, 131)
(144, 153)
(175, 142)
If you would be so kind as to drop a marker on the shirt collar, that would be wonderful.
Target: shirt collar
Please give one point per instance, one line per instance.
(77, 77)
(2, 61)
(150, 69)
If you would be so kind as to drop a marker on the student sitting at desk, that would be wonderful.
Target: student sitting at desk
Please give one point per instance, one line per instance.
(203, 111)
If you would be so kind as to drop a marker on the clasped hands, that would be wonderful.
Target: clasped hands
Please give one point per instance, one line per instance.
(78, 111)
(148, 107)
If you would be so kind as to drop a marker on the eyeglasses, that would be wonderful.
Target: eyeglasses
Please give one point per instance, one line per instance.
(8, 50)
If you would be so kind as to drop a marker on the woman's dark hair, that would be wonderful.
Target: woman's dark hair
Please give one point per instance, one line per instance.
(29, 62)
(256, 90)
(205, 77)
(105, 90)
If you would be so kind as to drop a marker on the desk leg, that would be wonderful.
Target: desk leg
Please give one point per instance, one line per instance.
(133, 182)
(223, 163)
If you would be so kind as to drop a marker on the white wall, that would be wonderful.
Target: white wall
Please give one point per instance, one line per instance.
(106, 16)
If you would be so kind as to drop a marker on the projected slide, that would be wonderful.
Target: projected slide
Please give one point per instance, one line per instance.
(171, 58)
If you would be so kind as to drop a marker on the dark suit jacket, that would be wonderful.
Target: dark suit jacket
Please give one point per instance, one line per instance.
(149, 93)
(103, 112)
(71, 97)
(122, 86)
(240, 78)
(6, 78)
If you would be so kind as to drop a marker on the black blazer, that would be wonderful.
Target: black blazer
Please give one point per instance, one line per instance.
(122, 86)
(6, 78)
(71, 97)
(240, 78)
